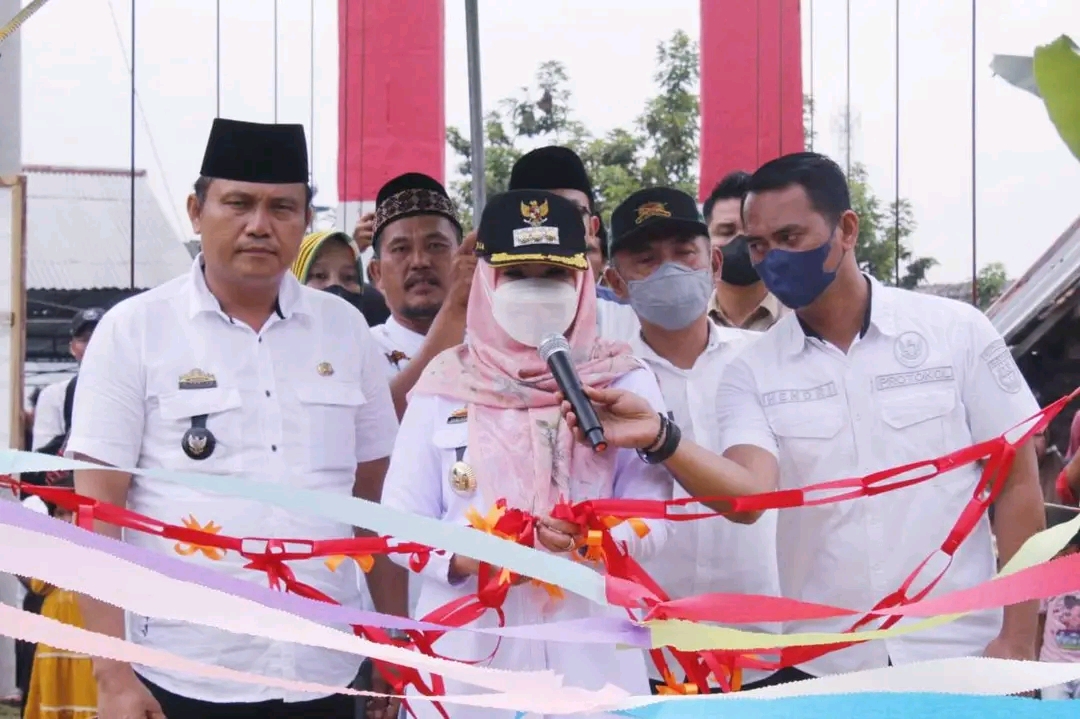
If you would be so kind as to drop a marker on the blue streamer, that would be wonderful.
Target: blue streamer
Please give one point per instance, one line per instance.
(861, 706)
(403, 526)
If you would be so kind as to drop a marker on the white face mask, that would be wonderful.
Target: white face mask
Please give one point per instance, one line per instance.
(531, 308)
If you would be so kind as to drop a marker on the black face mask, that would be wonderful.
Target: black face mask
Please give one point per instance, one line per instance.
(737, 269)
(353, 298)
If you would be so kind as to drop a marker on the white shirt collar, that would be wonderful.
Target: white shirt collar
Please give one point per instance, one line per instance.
(719, 338)
(290, 298)
(399, 333)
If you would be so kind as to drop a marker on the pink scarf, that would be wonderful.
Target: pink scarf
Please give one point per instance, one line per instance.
(521, 449)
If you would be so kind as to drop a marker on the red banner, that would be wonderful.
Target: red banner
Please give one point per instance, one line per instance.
(391, 93)
(751, 85)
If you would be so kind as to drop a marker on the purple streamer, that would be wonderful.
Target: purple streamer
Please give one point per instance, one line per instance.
(592, 630)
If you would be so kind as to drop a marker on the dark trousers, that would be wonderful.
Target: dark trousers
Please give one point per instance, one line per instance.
(174, 706)
(25, 651)
(783, 676)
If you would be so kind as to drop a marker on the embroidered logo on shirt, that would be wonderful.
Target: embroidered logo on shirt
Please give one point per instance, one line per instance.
(186, 550)
(1003, 367)
(325, 369)
(911, 349)
(396, 358)
(197, 379)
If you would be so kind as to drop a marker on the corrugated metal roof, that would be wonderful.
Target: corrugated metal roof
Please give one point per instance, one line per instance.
(78, 230)
(1051, 281)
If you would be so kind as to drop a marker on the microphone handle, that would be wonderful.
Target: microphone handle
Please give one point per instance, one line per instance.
(567, 379)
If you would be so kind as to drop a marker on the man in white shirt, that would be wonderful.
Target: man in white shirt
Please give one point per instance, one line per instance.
(560, 171)
(235, 368)
(424, 271)
(663, 264)
(860, 378)
(52, 415)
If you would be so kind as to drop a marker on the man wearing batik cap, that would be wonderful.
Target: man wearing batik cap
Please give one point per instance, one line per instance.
(424, 271)
(236, 368)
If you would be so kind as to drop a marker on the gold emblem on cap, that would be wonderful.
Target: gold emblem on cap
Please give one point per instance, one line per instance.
(535, 213)
(462, 479)
(651, 209)
(325, 369)
(197, 379)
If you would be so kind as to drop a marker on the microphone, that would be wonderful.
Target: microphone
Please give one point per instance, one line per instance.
(555, 351)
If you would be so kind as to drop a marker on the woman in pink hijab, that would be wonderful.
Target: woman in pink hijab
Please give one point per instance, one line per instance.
(483, 426)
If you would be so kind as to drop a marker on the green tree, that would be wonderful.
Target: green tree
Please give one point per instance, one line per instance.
(990, 283)
(661, 148)
(883, 235)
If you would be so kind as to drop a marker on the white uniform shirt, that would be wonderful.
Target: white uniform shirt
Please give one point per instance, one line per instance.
(615, 321)
(930, 376)
(399, 344)
(300, 402)
(709, 555)
(49, 413)
(418, 482)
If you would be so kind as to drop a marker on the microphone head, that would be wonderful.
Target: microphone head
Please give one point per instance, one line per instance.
(551, 344)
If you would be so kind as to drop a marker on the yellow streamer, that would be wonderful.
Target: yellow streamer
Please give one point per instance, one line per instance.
(20, 17)
(696, 636)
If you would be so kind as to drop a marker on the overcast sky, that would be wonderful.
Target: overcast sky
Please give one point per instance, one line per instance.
(76, 94)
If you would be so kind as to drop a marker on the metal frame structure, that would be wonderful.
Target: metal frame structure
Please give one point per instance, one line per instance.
(16, 318)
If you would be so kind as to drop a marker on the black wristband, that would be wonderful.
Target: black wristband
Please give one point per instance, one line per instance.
(659, 438)
(672, 438)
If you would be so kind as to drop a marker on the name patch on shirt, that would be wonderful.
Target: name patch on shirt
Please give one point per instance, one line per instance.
(1002, 366)
(789, 396)
(909, 379)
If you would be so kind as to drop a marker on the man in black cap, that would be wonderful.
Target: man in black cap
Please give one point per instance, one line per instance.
(663, 263)
(560, 171)
(52, 416)
(236, 368)
(424, 271)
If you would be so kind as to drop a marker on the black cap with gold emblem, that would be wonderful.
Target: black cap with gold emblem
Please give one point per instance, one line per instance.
(652, 212)
(531, 226)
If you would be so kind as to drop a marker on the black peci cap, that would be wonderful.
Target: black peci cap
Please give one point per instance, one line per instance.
(254, 152)
(85, 320)
(522, 226)
(551, 168)
(654, 209)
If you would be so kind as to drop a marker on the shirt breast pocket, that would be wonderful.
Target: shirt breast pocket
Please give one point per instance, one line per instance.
(917, 421)
(221, 408)
(459, 480)
(330, 410)
(806, 435)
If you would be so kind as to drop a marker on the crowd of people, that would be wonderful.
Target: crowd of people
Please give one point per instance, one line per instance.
(728, 351)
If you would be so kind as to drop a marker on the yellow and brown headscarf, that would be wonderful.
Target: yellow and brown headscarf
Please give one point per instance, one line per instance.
(309, 250)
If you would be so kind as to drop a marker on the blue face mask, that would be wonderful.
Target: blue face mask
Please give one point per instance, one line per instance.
(796, 278)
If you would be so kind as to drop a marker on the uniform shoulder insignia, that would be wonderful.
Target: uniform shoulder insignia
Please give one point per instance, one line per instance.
(197, 379)
(458, 416)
